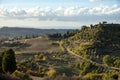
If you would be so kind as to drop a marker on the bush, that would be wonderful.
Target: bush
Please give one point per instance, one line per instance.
(114, 76)
(52, 73)
(21, 75)
(17, 74)
(107, 59)
(92, 76)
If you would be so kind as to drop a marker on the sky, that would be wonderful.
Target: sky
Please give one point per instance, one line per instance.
(58, 14)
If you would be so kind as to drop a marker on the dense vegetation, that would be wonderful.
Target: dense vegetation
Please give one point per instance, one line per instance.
(59, 36)
(99, 47)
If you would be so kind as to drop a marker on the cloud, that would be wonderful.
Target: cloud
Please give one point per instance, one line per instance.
(103, 0)
(99, 13)
(94, 0)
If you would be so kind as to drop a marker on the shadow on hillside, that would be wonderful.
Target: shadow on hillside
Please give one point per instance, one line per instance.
(14, 44)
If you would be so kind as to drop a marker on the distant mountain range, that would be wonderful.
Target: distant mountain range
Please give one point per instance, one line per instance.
(11, 32)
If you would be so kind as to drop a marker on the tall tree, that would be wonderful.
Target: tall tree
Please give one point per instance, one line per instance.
(1, 56)
(9, 61)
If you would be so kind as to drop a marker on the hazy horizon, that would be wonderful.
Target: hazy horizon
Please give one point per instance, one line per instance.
(60, 14)
(58, 27)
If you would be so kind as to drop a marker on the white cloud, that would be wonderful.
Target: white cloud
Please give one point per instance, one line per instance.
(94, 0)
(17, 12)
(63, 14)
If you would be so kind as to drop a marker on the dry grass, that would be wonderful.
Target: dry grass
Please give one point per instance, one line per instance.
(40, 44)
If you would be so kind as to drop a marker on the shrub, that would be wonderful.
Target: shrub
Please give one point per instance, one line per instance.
(23, 76)
(114, 76)
(51, 73)
(92, 76)
(107, 59)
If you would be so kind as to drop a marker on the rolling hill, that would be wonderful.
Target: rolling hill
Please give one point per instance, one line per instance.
(98, 46)
(12, 32)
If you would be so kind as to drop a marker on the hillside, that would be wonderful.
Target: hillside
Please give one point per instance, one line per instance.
(12, 32)
(98, 45)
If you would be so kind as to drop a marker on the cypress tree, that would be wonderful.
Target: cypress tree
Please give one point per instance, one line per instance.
(8, 61)
(1, 56)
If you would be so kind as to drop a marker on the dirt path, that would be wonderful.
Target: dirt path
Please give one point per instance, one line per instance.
(95, 63)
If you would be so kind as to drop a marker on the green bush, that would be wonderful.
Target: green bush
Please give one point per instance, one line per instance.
(93, 76)
(107, 60)
(23, 76)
